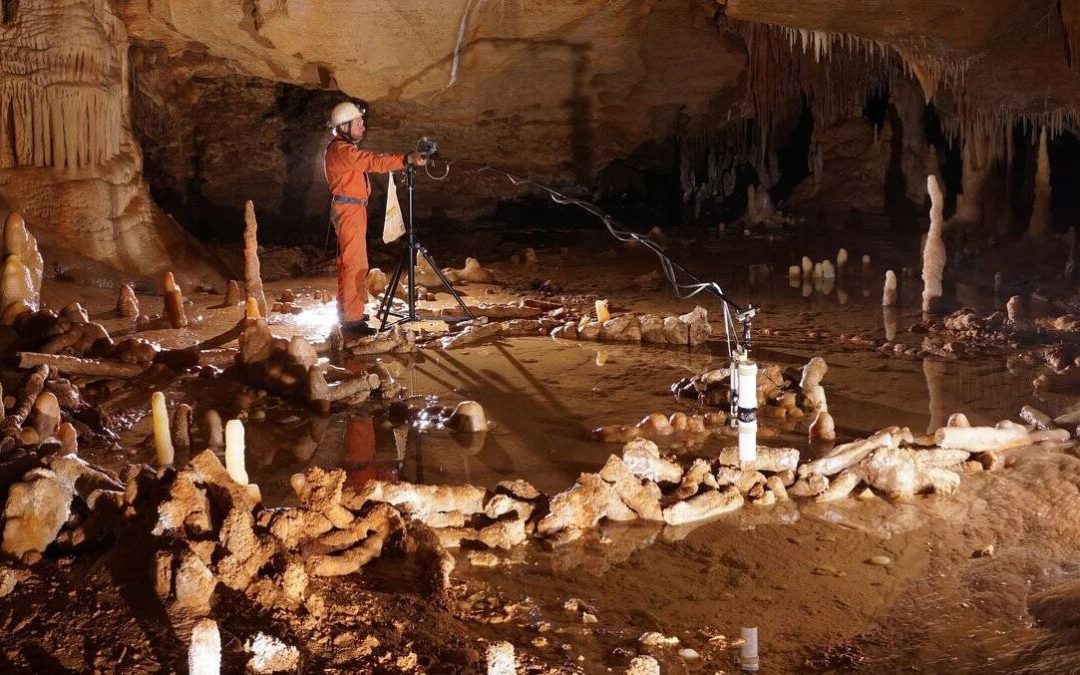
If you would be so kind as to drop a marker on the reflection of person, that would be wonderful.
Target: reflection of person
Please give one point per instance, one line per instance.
(360, 466)
(346, 167)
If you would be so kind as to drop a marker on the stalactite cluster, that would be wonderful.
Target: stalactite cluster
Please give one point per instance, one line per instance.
(61, 93)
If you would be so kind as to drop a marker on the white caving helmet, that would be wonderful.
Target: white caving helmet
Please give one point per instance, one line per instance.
(344, 113)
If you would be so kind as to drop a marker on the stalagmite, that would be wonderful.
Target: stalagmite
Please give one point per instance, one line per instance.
(866, 269)
(500, 659)
(234, 452)
(807, 267)
(1041, 224)
(127, 305)
(163, 445)
(1015, 310)
(888, 295)
(602, 312)
(215, 434)
(823, 428)
(252, 274)
(841, 259)
(233, 296)
(204, 654)
(16, 284)
(1072, 263)
(174, 302)
(933, 259)
(934, 372)
(181, 426)
(46, 415)
(251, 309)
(18, 241)
(794, 272)
(958, 420)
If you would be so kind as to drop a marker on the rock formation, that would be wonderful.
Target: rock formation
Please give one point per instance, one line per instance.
(933, 256)
(1041, 225)
(68, 160)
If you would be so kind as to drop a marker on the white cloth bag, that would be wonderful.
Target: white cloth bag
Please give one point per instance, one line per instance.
(393, 223)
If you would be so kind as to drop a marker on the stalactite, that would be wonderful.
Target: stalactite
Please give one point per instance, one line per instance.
(61, 96)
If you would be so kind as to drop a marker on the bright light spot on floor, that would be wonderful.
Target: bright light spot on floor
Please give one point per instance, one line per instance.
(321, 317)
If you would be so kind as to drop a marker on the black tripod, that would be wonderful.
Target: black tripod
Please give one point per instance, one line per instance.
(408, 261)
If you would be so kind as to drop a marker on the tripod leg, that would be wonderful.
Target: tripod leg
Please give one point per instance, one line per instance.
(388, 296)
(446, 282)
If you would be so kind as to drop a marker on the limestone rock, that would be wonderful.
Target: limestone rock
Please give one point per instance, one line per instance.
(643, 497)
(625, 328)
(18, 241)
(193, 584)
(583, 506)
(16, 284)
(643, 459)
(36, 508)
(708, 504)
(271, 655)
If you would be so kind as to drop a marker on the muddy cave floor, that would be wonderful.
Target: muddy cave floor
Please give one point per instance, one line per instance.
(801, 574)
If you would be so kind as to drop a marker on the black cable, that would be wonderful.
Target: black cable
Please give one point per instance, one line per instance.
(670, 268)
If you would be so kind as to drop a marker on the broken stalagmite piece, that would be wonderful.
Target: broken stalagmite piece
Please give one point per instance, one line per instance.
(234, 452)
(163, 446)
(469, 417)
(204, 654)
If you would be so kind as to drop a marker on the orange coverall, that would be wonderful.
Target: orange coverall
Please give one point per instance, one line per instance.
(346, 168)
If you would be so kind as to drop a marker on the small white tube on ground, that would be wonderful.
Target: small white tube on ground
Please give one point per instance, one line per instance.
(747, 412)
(163, 446)
(234, 452)
(748, 653)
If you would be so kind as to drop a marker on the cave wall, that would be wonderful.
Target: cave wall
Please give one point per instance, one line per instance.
(234, 107)
(68, 159)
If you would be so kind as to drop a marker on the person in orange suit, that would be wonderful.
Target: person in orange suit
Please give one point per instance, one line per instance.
(347, 167)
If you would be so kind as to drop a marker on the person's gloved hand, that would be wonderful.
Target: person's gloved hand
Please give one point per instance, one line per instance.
(416, 158)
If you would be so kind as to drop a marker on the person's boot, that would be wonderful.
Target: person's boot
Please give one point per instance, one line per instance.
(358, 328)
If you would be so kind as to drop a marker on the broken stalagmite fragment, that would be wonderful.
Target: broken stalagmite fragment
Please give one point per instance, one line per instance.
(469, 417)
(204, 654)
(234, 451)
(163, 446)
